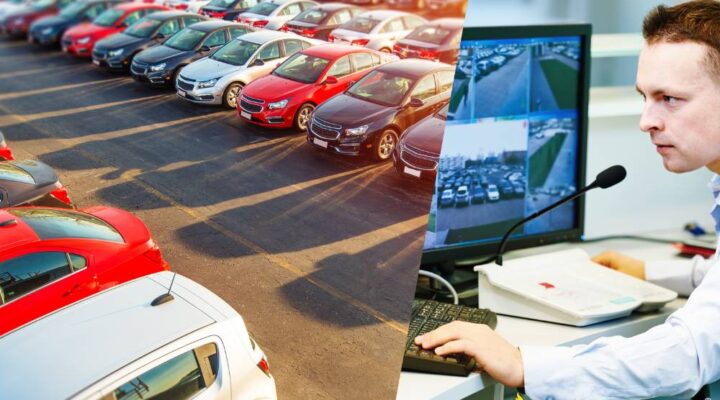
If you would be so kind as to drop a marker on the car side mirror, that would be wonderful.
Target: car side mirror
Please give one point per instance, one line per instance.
(415, 102)
(331, 80)
(205, 49)
(258, 62)
(160, 36)
(123, 25)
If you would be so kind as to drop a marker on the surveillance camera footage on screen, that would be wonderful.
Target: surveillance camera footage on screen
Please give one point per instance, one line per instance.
(511, 140)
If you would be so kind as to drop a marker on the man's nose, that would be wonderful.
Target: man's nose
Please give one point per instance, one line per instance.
(650, 120)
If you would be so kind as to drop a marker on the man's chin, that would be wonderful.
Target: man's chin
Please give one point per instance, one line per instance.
(678, 167)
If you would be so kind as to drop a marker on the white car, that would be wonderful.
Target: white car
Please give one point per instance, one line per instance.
(377, 30)
(192, 6)
(273, 14)
(219, 79)
(492, 193)
(118, 345)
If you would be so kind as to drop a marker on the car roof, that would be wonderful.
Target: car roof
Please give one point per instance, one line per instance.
(163, 15)
(382, 14)
(334, 6)
(452, 23)
(211, 25)
(17, 234)
(334, 50)
(414, 67)
(90, 339)
(266, 35)
(135, 6)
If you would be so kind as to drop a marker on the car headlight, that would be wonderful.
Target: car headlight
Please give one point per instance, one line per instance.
(278, 104)
(47, 31)
(115, 53)
(158, 67)
(360, 130)
(83, 40)
(207, 84)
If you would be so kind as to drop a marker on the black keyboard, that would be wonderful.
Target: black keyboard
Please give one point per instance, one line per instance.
(428, 315)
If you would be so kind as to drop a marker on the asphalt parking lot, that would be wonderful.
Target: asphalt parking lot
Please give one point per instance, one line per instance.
(318, 253)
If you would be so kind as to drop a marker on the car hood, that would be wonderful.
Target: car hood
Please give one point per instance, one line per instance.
(207, 68)
(159, 53)
(52, 21)
(349, 35)
(426, 135)
(41, 172)
(350, 111)
(86, 29)
(267, 87)
(118, 40)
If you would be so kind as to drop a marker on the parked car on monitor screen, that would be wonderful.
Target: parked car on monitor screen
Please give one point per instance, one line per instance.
(478, 195)
(5, 150)
(506, 189)
(273, 14)
(160, 65)
(287, 97)
(80, 39)
(462, 196)
(377, 29)
(492, 193)
(437, 40)
(117, 51)
(226, 9)
(48, 30)
(447, 198)
(121, 344)
(371, 115)
(17, 22)
(220, 78)
(51, 257)
(29, 181)
(192, 6)
(319, 21)
(418, 152)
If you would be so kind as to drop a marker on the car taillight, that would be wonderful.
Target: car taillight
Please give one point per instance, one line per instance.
(62, 195)
(154, 255)
(261, 23)
(284, 28)
(331, 38)
(309, 32)
(181, 6)
(430, 54)
(360, 42)
(263, 365)
(396, 48)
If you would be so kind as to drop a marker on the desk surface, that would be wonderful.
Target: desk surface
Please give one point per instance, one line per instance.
(521, 331)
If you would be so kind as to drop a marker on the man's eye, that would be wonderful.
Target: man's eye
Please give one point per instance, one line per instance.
(669, 99)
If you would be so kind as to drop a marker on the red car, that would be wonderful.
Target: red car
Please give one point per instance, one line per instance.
(51, 257)
(5, 152)
(286, 97)
(17, 23)
(80, 39)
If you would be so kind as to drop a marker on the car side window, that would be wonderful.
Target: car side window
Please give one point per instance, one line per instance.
(245, 4)
(271, 51)
(445, 79)
(292, 9)
(306, 45)
(340, 68)
(215, 39)
(394, 25)
(93, 11)
(181, 377)
(292, 46)
(412, 22)
(192, 20)
(133, 16)
(340, 17)
(235, 32)
(21, 275)
(306, 5)
(170, 27)
(362, 61)
(425, 88)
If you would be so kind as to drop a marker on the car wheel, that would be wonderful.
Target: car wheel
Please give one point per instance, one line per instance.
(384, 145)
(302, 117)
(231, 95)
(386, 50)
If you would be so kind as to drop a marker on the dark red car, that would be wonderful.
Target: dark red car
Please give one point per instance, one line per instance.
(418, 153)
(5, 151)
(438, 40)
(319, 21)
(80, 39)
(51, 257)
(17, 23)
(286, 97)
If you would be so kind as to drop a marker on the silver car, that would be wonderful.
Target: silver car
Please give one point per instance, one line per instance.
(273, 14)
(219, 79)
(377, 30)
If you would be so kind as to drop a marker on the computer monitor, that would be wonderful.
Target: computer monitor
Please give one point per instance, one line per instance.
(515, 142)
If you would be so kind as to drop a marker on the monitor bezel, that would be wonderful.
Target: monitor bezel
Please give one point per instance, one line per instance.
(471, 254)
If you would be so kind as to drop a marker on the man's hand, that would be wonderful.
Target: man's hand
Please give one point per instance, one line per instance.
(493, 354)
(621, 263)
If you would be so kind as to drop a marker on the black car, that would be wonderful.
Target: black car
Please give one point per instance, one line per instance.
(437, 40)
(160, 65)
(372, 114)
(30, 182)
(319, 21)
(49, 30)
(418, 152)
(227, 9)
(117, 51)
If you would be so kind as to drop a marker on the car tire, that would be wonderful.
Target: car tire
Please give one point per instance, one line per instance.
(386, 50)
(384, 145)
(302, 117)
(232, 94)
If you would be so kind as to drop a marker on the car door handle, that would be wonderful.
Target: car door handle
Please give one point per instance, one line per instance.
(72, 289)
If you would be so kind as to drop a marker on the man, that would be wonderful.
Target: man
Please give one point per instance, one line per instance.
(679, 79)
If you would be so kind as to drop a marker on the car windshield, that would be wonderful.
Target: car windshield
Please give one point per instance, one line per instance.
(42, 4)
(73, 10)
(10, 172)
(360, 24)
(221, 3)
(382, 88)
(263, 8)
(51, 223)
(302, 68)
(429, 34)
(236, 52)
(143, 28)
(108, 17)
(311, 16)
(185, 40)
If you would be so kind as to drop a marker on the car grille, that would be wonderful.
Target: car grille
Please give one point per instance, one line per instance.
(417, 158)
(250, 107)
(254, 100)
(100, 55)
(185, 86)
(324, 129)
(138, 68)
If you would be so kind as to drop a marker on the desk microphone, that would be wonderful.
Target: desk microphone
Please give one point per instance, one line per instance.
(609, 177)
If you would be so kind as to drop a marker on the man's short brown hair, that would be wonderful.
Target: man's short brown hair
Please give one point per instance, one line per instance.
(695, 21)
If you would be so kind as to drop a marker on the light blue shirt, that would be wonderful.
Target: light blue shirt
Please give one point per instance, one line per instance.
(673, 359)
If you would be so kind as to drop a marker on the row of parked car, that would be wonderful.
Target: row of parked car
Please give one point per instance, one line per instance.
(75, 284)
(465, 187)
